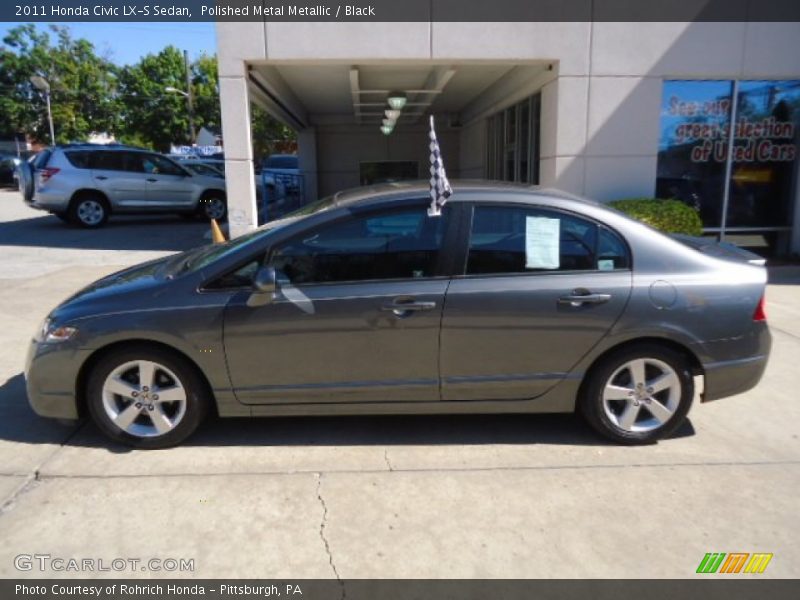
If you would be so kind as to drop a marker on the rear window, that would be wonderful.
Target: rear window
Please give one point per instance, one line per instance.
(281, 162)
(78, 158)
(41, 159)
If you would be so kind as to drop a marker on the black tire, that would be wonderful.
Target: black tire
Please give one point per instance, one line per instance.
(89, 210)
(593, 407)
(25, 170)
(213, 205)
(197, 405)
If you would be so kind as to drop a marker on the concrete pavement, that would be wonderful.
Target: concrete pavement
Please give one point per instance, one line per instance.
(498, 496)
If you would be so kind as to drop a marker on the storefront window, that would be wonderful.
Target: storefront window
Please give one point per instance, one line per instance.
(693, 157)
(512, 142)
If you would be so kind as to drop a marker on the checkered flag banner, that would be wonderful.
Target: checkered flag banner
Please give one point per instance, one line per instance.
(440, 186)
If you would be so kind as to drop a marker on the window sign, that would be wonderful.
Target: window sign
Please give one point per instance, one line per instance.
(542, 243)
(693, 150)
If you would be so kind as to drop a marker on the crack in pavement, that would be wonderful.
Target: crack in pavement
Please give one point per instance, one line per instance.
(386, 459)
(34, 479)
(323, 524)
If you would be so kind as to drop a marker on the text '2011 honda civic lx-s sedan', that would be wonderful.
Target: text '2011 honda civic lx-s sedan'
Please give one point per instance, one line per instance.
(514, 300)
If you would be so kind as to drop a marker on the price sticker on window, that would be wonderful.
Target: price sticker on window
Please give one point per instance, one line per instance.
(542, 243)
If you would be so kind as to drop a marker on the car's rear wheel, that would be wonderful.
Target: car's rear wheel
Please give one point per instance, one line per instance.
(146, 398)
(88, 210)
(638, 395)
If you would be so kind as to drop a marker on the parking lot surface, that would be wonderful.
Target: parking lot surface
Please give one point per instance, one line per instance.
(363, 497)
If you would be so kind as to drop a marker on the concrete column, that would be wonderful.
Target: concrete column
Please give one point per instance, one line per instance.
(307, 162)
(563, 136)
(239, 174)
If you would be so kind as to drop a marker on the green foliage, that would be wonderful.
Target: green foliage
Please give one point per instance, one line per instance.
(270, 136)
(669, 216)
(89, 94)
(82, 85)
(151, 113)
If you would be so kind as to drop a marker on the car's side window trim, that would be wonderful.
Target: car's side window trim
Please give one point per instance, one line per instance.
(468, 217)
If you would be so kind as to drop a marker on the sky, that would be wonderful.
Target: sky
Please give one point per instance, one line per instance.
(126, 43)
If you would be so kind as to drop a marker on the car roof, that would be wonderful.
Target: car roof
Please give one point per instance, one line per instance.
(496, 189)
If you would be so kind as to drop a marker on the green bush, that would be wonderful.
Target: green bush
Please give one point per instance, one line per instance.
(669, 216)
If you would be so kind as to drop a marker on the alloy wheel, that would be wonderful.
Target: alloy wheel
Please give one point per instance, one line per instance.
(144, 398)
(642, 395)
(214, 208)
(91, 212)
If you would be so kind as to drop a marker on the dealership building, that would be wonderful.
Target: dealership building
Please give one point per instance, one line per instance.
(607, 110)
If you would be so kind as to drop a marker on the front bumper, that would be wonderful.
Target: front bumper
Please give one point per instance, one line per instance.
(51, 375)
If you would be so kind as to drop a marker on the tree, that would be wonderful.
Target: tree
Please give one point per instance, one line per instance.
(82, 85)
(151, 114)
(269, 135)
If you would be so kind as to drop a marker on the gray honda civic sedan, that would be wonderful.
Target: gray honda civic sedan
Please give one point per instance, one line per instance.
(514, 300)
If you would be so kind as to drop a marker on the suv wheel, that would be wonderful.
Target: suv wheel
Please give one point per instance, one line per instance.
(88, 210)
(638, 395)
(214, 206)
(146, 397)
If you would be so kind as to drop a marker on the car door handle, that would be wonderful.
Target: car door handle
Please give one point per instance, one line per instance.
(580, 296)
(151, 180)
(101, 177)
(400, 307)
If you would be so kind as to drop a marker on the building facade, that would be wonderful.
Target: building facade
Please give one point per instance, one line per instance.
(605, 110)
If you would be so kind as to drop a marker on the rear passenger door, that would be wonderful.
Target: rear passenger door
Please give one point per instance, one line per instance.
(541, 287)
(118, 178)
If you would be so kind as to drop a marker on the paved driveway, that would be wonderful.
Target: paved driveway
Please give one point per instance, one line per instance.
(499, 496)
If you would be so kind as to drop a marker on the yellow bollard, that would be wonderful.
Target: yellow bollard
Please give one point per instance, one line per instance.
(217, 237)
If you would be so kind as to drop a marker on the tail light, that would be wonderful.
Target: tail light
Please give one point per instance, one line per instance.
(47, 173)
(760, 313)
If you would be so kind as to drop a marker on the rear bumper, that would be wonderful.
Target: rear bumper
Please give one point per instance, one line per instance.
(730, 377)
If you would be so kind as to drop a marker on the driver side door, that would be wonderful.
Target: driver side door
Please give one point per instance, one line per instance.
(356, 317)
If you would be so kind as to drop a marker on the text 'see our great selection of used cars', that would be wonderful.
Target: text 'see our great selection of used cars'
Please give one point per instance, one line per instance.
(84, 184)
(515, 300)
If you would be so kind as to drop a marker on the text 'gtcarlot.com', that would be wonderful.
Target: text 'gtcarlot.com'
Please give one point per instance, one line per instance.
(47, 562)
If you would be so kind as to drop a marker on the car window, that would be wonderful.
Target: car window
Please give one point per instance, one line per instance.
(507, 239)
(40, 160)
(612, 252)
(106, 160)
(78, 158)
(158, 165)
(401, 244)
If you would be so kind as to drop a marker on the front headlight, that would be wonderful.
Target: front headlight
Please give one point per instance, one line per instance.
(49, 333)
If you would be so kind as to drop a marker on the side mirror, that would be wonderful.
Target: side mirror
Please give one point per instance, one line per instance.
(265, 284)
(265, 281)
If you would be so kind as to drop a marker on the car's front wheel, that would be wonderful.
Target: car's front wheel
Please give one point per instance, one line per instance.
(638, 395)
(146, 397)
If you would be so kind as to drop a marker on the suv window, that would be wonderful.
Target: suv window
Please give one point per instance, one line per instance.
(529, 239)
(159, 165)
(78, 158)
(40, 160)
(106, 160)
(401, 244)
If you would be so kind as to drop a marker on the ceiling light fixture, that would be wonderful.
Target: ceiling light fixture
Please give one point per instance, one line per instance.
(392, 114)
(397, 100)
(387, 129)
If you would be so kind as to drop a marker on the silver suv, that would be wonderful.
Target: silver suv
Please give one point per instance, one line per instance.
(83, 184)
